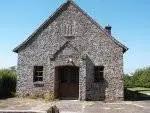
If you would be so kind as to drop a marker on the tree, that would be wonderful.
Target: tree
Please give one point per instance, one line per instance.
(140, 78)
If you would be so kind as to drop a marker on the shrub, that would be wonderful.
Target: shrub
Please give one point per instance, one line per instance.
(35, 95)
(49, 96)
(7, 83)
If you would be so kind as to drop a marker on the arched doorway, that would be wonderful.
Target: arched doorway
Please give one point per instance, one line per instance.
(68, 82)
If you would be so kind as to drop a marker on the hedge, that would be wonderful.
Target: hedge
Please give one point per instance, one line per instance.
(7, 83)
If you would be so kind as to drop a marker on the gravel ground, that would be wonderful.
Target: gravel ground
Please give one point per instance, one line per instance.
(74, 106)
(24, 104)
(101, 107)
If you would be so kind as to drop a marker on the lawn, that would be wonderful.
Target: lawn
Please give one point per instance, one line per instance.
(141, 90)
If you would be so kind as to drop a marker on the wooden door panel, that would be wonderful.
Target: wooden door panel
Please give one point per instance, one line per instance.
(69, 82)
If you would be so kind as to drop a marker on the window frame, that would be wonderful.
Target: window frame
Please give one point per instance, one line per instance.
(38, 74)
(98, 74)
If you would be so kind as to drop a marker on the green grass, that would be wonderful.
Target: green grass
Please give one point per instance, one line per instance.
(141, 90)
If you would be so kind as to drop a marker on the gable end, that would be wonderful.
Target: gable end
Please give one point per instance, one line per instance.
(62, 8)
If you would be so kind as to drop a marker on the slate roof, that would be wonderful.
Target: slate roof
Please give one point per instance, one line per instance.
(54, 16)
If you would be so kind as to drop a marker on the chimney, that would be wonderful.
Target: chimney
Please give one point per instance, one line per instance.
(108, 29)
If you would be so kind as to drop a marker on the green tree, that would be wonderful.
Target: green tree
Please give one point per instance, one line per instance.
(140, 78)
(128, 80)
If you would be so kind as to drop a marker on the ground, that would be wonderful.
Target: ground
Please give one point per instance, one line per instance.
(23, 104)
(141, 103)
(74, 106)
(100, 107)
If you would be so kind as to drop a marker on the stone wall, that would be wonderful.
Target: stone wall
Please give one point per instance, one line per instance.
(89, 47)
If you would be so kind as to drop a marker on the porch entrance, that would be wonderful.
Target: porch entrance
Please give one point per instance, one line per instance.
(68, 77)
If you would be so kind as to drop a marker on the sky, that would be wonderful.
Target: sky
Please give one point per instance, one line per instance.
(130, 21)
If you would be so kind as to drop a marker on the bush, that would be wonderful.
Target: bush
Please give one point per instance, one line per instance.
(35, 95)
(48, 96)
(7, 83)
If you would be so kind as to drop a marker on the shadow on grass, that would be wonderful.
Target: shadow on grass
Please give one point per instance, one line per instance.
(135, 96)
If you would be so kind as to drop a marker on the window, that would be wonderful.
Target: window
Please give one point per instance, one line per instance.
(38, 73)
(98, 73)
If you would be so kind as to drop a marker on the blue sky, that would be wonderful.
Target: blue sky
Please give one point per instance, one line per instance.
(130, 21)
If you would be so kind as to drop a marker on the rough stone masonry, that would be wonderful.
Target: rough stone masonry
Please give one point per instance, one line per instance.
(72, 34)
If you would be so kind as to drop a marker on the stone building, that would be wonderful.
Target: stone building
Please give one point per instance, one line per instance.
(73, 57)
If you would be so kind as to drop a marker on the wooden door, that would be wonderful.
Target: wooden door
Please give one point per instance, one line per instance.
(69, 82)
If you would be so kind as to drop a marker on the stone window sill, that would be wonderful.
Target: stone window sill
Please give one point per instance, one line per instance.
(38, 84)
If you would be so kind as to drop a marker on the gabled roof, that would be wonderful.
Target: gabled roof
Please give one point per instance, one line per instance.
(54, 16)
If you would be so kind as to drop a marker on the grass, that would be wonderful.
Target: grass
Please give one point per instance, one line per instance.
(141, 90)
